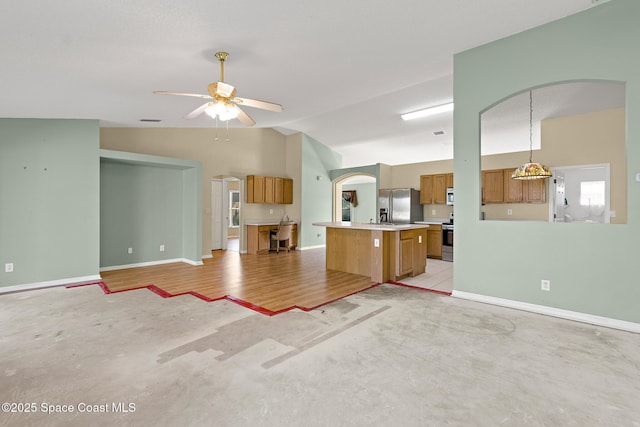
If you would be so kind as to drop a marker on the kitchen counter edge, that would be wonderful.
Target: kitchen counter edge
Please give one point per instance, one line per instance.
(365, 226)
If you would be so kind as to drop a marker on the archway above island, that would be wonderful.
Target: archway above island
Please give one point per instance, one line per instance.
(378, 173)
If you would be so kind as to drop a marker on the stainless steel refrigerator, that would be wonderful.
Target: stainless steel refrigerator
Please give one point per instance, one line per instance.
(399, 206)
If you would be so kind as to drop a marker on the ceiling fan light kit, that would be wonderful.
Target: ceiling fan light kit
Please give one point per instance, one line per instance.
(225, 105)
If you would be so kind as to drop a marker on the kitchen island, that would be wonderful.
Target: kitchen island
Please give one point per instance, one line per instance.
(384, 252)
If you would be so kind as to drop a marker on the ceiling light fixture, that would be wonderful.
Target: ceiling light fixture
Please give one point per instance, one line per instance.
(428, 111)
(531, 170)
(222, 109)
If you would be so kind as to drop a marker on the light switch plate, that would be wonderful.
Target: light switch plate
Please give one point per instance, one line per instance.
(376, 243)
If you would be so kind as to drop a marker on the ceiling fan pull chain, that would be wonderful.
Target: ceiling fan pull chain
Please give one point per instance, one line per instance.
(227, 130)
(216, 129)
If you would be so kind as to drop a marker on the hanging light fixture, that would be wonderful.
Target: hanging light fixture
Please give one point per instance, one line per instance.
(531, 170)
(223, 110)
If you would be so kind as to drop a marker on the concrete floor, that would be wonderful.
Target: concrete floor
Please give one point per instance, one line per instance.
(389, 356)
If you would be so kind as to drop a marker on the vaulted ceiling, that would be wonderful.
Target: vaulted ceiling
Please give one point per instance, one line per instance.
(343, 70)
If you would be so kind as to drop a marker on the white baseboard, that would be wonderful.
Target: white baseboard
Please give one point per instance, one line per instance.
(207, 256)
(149, 263)
(551, 311)
(306, 248)
(189, 261)
(50, 284)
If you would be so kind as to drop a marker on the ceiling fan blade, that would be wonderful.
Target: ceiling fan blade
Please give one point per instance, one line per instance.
(259, 104)
(195, 113)
(244, 118)
(197, 95)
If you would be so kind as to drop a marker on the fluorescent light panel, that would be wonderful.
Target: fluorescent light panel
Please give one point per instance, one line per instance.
(428, 111)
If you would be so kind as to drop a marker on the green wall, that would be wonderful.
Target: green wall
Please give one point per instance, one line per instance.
(317, 194)
(147, 201)
(49, 200)
(591, 268)
(140, 208)
(367, 200)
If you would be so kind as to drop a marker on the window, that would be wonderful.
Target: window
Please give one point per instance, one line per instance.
(592, 193)
(346, 206)
(234, 209)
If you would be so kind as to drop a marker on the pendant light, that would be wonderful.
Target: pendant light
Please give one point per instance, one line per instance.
(531, 170)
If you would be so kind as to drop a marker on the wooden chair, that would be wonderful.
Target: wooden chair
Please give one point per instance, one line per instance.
(283, 235)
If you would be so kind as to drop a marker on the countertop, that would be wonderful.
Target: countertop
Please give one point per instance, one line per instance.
(367, 226)
(259, 222)
(434, 220)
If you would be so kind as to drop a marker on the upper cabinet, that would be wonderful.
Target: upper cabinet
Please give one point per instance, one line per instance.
(270, 190)
(498, 187)
(433, 188)
(426, 189)
(493, 186)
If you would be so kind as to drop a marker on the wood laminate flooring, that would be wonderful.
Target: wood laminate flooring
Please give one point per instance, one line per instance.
(269, 283)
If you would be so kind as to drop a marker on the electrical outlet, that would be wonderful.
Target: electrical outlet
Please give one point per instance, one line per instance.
(509, 212)
(376, 243)
(8, 267)
(419, 239)
(545, 285)
(161, 248)
(433, 212)
(130, 250)
(270, 211)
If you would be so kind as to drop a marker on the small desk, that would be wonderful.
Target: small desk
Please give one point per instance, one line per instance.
(259, 236)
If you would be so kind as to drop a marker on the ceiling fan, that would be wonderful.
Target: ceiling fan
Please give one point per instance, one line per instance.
(224, 104)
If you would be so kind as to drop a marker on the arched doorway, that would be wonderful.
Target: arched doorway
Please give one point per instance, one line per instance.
(355, 198)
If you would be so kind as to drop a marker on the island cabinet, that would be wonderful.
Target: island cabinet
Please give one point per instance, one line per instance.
(410, 253)
(388, 254)
(269, 190)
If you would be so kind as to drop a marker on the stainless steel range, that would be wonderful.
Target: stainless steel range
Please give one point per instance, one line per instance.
(447, 239)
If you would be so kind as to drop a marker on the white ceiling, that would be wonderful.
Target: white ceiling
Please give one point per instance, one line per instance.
(343, 70)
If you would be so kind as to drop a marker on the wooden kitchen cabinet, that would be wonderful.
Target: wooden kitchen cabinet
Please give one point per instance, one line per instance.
(278, 191)
(287, 192)
(433, 188)
(405, 266)
(523, 191)
(411, 253)
(449, 180)
(270, 190)
(434, 241)
(255, 189)
(440, 189)
(426, 189)
(493, 186)
(258, 238)
(512, 187)
(534, 191)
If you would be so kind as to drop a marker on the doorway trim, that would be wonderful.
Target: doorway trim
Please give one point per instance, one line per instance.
(552, 189)
(220, 212)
